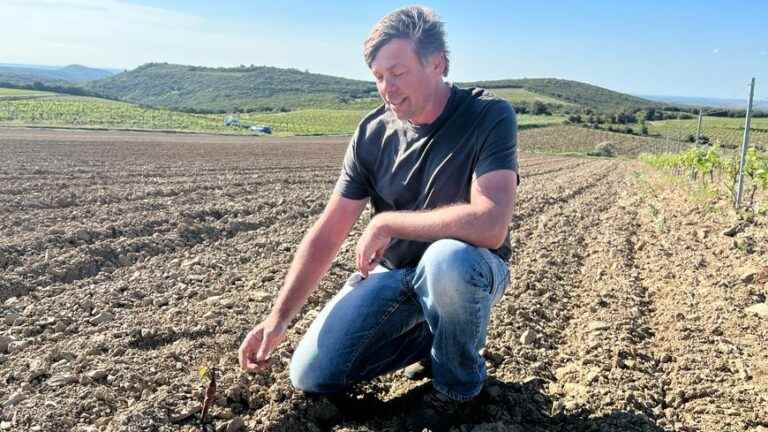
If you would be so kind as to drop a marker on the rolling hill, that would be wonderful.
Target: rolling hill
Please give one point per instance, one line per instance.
(263, 88)
(58, 76)
(253, 88)
(571, 92)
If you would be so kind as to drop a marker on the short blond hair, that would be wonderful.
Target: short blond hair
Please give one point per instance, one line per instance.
(418, 24)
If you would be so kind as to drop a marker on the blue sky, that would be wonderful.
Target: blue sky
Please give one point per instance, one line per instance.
(687, 48)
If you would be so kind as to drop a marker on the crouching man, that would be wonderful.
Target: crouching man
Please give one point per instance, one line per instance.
(439, 166)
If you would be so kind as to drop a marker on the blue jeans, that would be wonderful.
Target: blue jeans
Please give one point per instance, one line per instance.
(393, 318)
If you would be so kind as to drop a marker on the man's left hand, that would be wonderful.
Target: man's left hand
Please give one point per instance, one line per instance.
(371, 246)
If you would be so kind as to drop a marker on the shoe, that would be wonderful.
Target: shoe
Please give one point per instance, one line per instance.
(419, 370)
(436, 413)
(351, 407)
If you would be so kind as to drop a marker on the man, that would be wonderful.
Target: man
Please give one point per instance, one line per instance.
(439, 166)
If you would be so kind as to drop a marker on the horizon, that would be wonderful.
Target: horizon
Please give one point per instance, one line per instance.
(607, 45)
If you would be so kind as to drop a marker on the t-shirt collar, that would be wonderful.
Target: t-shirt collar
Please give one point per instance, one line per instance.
(426, 127)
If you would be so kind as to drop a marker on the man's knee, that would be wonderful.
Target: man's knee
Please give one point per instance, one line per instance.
(301, 376)
(310, 373)
(310, 379)
(449, 260)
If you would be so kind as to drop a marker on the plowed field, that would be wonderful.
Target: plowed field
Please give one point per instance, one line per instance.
(130, 260)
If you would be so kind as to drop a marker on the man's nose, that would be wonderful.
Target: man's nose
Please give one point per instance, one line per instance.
(389, 87)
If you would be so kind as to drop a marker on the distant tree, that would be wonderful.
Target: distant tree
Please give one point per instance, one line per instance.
(539, 108)
(624, 118)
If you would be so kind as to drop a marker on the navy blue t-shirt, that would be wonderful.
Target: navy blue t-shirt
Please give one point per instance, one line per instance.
(401, 166)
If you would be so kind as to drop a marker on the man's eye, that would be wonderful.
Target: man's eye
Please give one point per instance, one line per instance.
(399, 74)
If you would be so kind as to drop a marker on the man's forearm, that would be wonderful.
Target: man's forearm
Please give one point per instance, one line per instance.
(477, 226)
(313, 258)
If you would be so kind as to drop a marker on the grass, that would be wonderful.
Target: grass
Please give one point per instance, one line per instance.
(9, 92)
(515, 95)
(539, 120)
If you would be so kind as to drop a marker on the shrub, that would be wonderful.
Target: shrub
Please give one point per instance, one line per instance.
(604, 149)
(539, 108)
(574, 118)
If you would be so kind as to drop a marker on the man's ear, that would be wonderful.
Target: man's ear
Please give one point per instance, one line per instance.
(437, 63)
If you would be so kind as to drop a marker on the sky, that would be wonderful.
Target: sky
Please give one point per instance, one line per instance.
(680, 47)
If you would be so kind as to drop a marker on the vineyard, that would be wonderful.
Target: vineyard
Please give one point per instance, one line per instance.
(84, 112)
(721, 131)
(577, 140)
(75, 111)
(130, 260)
(311, 121)
(707, 164)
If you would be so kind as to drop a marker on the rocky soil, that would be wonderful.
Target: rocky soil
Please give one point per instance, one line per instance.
(130, 260)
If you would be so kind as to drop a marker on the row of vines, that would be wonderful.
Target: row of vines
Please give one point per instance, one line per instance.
(711, 165)
(73, 111)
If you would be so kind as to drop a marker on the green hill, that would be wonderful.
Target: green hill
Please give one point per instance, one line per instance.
(254, 88)
(28, 79)
(571, 92)
(263, 88)
(22, 75)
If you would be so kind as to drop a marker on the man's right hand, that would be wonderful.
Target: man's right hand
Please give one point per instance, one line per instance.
(259, 344)
(312, 259)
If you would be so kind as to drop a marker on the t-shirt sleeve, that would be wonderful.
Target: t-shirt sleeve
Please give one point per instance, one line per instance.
(499, 150)
(352, 182)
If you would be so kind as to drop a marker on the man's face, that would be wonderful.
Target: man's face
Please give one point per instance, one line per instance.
(407, 86)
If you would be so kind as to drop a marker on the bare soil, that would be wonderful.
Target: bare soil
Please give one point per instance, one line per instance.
(130, 260)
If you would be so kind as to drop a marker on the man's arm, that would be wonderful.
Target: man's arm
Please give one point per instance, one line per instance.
(313, 258)
(482, 222)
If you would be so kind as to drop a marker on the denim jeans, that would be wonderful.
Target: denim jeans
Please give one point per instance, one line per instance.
(393, 318)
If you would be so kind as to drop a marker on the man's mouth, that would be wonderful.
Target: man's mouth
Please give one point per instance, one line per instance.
(398, 103)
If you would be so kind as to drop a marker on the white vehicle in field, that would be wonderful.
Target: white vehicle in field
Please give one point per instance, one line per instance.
(256, 129)
(266, 130)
